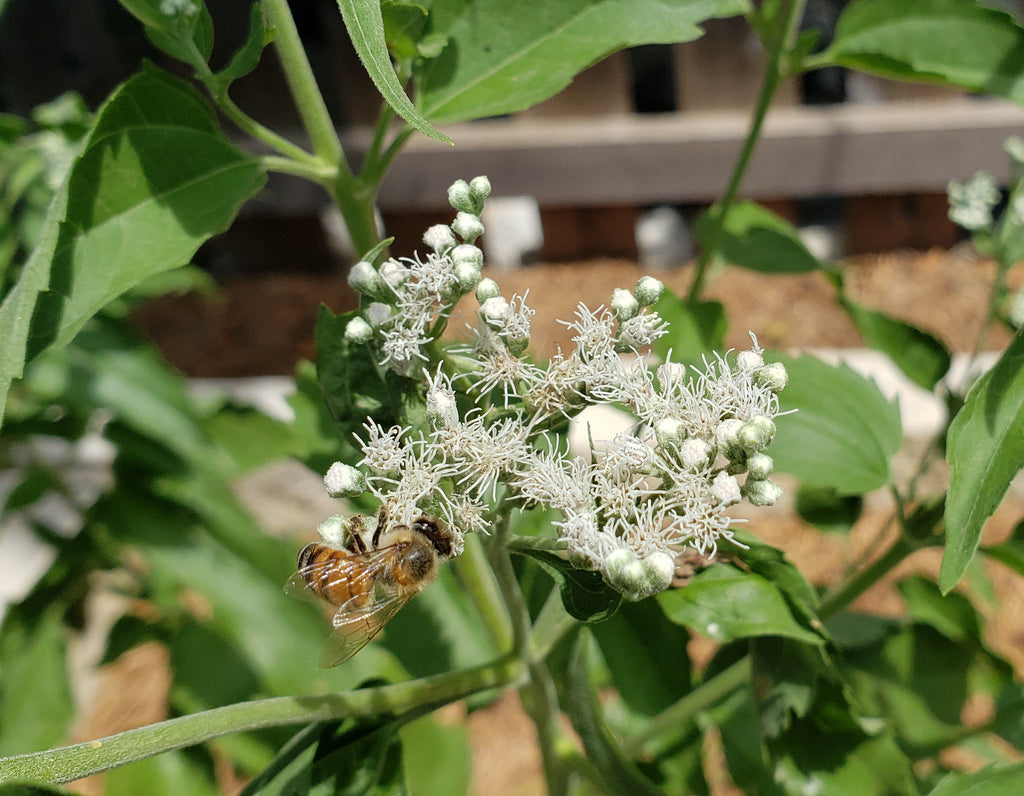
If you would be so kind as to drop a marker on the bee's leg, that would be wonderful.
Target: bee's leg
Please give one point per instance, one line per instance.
(355, 535)
(382, 521)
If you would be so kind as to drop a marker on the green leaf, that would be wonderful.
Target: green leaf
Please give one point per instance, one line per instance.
(725, 603)
(584, 593)
(952, 614)
(647, 656)
(132, 207)
(365, 24)
(502, 58)
(695, 329)
(247, 57)
(619, 773)
(985, 451)
(827, 510)
(33, 789)
(35, 698)
(920, 355)
(991, 781)
(844, 432)
(755, 238)
(404, 23)
(966, 44)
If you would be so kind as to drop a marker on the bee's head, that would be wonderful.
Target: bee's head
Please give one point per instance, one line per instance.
(438, 535)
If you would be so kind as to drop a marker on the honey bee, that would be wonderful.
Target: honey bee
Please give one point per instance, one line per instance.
(369, 585)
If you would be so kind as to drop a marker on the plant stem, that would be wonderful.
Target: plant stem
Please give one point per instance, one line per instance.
(788, 23)
(675, 719)
(552, 624)
(92, 757)
(480, 582)
(844, 594)
(302, 83)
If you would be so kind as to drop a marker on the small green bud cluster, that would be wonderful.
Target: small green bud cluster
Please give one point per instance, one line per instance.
(971, 202)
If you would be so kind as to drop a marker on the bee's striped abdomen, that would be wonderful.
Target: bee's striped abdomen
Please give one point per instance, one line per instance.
(329, 574)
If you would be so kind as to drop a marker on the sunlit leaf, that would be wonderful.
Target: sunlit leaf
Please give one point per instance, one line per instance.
(993, 781)
(984, 450)
(755, 238)
(694, 329)
(168, 774)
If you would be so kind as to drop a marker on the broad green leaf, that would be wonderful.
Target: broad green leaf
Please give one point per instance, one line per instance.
(362, 760)
(132, 207)
(951, 614)
(584, 593)
(694, 329)
(247, 57)
(35, 698)
(646, 655)
(404, 23)
(826, 509)
(920, 355)
(365, 24)
(966, 44)
(985, 450)
(619, 773)
(844, 432)
(991, 781)
(725, 603)
(755, 238)
(502, 57)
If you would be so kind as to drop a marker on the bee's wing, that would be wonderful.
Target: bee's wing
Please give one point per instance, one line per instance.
(356, 625)
(357, 569)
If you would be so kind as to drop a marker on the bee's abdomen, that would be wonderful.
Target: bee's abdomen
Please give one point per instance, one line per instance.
(328, 573)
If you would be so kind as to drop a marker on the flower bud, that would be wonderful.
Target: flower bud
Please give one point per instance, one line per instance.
(460, 197)
(726, 489)
(1014, 147)
(378, 314)
(669, 432)
(749, 360)
(624, 304)
(760, 466)
(495, 312)
(394, 273)
(648, 290)
(659, 569)
(695, 454)
(334, 530)
(358, 331)
(439, 238)
(467, 275)
(625, 573)
(756, 434)
(364, 279)
(772, 376)
(487, 289)
(762, 492)
(442, 411)
(517, 345)
(469, 254)
(480, 188)
(467, 226)
(727, 437)
(343, 480)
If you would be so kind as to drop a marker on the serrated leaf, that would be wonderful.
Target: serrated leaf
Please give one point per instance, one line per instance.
(365, 24)
(502, 57)
(132, 207)
(584, 593)
(725, 603)
(920, 355)
(964, 44)
(844, 432)
(619, 773)
(757, 239)
(247, 57)
(985, 451)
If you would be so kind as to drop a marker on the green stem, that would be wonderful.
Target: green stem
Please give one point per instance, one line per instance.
(789, 21)
(92, 757)
(675, 719)
(302, 83)
(480, 582)
(552, 624)
(844, 594)
(316, 172)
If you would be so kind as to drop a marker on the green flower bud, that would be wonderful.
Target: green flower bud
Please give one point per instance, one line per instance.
(772, 376)
(726, 489)
(756, 434)
(358, 331)
(364, 279)
(648, 290)
(480, 188)
(669, 432)
(487, 289)
(343, 480)
(760, 466)
(624, 304)
(495, 312)
(460, 197)
(467, 253)
(727, 437)
(468, 226)
(749, 360)
(439, 238)
(762, 492)
(334, 530)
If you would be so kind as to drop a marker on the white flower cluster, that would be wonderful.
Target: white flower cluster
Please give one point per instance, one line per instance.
(971, 202)
(626, 512)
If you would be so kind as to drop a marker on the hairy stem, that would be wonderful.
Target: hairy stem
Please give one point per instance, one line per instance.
(92, 757)
(788, 23)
